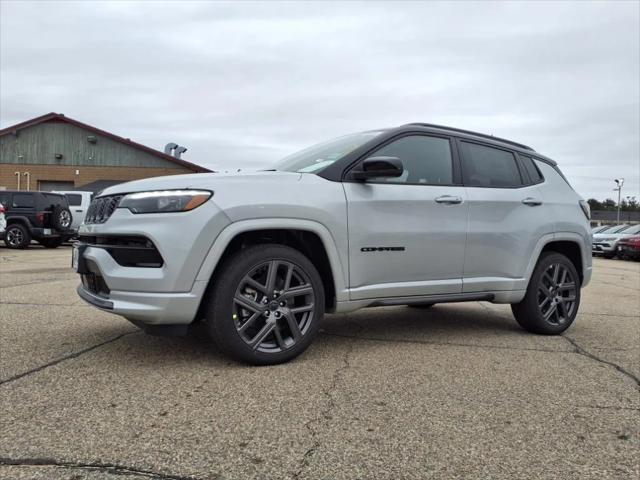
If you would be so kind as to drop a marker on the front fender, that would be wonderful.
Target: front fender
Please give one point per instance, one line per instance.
(338, 266)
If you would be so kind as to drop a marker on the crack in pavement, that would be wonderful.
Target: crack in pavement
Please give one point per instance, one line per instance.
(325, 415)
(110, 468)
(577, 349)
(46, 304)
(62, 359)
(609, 407)
(621, 315)
(581, 351)
(445, 344)
(51, 280)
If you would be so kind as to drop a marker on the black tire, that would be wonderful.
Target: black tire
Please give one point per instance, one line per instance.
(61, 218)
(225, 318)
(609, 255)
(17, 236)
(550, 308)
(50, 242)
(421, 306)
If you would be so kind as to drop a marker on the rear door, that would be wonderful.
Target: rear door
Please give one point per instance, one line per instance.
(507, 217)
(407, 234)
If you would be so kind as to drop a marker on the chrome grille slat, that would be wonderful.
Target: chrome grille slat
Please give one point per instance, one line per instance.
(102, 208)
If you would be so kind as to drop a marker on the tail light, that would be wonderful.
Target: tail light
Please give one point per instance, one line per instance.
(40, 217)
(585, 209)
(2, 210)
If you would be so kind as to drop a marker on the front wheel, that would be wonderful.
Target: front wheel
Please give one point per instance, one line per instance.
(553, 296)
(265, 304)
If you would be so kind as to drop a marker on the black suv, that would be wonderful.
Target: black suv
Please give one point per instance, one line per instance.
(41, 216)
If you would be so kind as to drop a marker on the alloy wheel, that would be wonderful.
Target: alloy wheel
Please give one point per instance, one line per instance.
(14, 237)
(273, 306)
(557, 294)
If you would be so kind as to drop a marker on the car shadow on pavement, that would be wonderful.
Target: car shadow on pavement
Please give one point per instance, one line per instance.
(439, 320)
(440, 323)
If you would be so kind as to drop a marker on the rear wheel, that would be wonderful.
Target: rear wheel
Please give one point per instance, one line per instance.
(265, 304)
(50, 242)
(17, 236)
(553, 296)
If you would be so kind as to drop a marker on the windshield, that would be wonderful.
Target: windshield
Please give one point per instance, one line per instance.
(616, 229)
(315, 158)
(631, 229)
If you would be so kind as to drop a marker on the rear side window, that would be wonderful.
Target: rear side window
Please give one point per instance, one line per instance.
(484, 166)
(74, 199)
(23, 200)
(531, 170)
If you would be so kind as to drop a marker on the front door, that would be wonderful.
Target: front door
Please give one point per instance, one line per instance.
(407, 234)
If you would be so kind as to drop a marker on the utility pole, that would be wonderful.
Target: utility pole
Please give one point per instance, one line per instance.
(619, 183)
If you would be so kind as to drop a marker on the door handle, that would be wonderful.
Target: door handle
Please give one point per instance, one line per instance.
(532, 202)
(79, 211)
(448, 199)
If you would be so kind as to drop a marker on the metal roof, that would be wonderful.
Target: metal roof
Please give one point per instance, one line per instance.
(59, 117)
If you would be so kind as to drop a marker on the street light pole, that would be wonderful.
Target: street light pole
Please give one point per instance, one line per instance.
(619, 183)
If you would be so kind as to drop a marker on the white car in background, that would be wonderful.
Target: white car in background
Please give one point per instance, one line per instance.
(78, 204)
(606, 243)
(3, 221)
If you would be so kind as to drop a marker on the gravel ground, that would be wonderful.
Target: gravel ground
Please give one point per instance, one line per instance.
(457, 391)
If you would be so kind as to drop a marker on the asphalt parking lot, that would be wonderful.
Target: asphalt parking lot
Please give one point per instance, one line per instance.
(458, 391)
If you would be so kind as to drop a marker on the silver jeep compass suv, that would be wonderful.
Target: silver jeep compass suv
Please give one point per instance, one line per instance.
(415, 215)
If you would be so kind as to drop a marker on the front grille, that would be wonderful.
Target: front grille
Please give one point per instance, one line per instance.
(102, 208)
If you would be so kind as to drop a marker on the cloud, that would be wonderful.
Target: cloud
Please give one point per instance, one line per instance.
(243, 84)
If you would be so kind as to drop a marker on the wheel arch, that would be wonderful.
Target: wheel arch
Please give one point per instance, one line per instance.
(569, 249)
(570, 244)
(18, 219)
(310, 238)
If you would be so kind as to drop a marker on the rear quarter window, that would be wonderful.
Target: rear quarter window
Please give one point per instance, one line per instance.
(531, 169)
(51, 200)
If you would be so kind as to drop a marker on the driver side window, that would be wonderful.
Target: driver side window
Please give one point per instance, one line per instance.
(426, 160)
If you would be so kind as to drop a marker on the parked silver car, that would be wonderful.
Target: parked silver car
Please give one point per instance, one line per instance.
(415, 215)
(606, 243)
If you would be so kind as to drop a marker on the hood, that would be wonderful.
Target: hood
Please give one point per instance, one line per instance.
(207, 181)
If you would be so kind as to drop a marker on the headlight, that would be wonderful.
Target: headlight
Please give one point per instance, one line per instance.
(164, 201)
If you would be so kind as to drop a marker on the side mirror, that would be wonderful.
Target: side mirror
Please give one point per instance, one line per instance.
(373, 167)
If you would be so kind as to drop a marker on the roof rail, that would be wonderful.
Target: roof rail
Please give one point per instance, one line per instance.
(476, 134)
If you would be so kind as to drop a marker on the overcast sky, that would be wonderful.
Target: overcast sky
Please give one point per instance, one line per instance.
(244, 84)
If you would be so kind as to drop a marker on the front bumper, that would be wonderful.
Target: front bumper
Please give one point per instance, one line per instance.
(603, 247)
(168, 294)
(628, 251)
(149, 308)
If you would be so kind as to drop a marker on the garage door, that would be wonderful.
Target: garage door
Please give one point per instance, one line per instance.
(49, 185)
